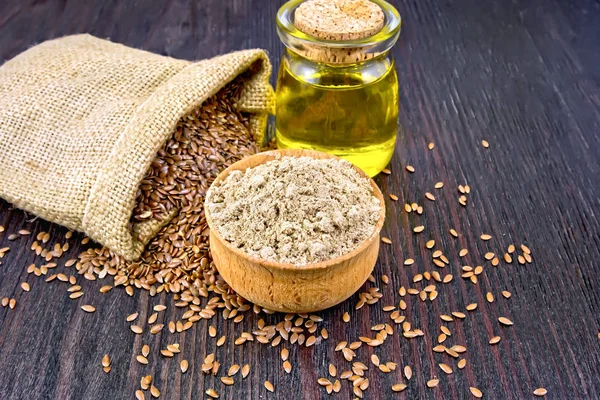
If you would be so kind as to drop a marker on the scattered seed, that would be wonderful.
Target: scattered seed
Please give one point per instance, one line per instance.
(88, 308)
(106, 360)
(409, 261)
(105, 289)
(489, 297)
(399, 387)
(386, 171)
(221, 341)
(461, 363)
(474, 391)
(166, 353)
(432, 383)
(154, 391)
(25, 286)
(136, 329)
(332, 370)
(446, 368)
(287, 367)
(139, 395)
(227, 380)
(485, 144)
(495, 340)
(458, 348)
(233, 370)
(429, 196)
(506, 294)
(341, 345)
(393, 197)
(346, 317)
(410, 168)
(375, 359)
(323, 381)
(152, 319)
(142, 360)
(408, 372)
(156, 328)
(245, 371)
(471, 307)
(269, 386)
(540, 392)
(184, 365)
(505, 321)
(212, 331)
(212, 393)
(386, 240)
(419, 229)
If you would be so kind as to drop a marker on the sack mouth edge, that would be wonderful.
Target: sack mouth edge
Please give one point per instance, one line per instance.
(133, 154)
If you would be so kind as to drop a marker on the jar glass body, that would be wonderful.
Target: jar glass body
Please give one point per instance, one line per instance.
(348, 110)
(339, 97)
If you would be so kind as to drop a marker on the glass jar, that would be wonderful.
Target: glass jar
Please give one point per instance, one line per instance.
(339, 97)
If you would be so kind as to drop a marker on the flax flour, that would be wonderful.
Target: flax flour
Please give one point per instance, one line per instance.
(296, 210)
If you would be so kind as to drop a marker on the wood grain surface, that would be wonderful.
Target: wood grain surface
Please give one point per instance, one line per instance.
(523, 75)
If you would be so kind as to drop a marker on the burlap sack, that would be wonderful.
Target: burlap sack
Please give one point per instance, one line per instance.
(82, 118)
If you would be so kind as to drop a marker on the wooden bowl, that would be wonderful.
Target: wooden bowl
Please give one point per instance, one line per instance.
(286, 287)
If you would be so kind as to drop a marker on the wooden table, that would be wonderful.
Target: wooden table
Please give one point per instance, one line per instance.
(522, 75)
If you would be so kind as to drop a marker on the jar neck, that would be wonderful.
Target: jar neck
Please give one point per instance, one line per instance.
(331, 74)
(293, 56)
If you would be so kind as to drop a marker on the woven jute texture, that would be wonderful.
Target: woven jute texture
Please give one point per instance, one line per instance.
(81, 119)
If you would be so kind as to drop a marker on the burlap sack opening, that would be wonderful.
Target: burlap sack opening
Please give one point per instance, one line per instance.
(81, 119)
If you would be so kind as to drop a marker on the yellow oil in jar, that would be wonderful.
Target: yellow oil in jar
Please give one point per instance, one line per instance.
(350, 111)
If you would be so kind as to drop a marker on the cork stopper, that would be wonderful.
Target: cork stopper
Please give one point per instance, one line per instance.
(338, 20)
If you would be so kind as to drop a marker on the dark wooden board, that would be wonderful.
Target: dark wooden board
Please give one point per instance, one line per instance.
(522, 74)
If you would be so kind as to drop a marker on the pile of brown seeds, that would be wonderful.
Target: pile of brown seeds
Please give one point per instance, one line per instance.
(178, 261)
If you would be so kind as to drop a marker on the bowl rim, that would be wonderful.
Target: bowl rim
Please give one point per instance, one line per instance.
(287, 266)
